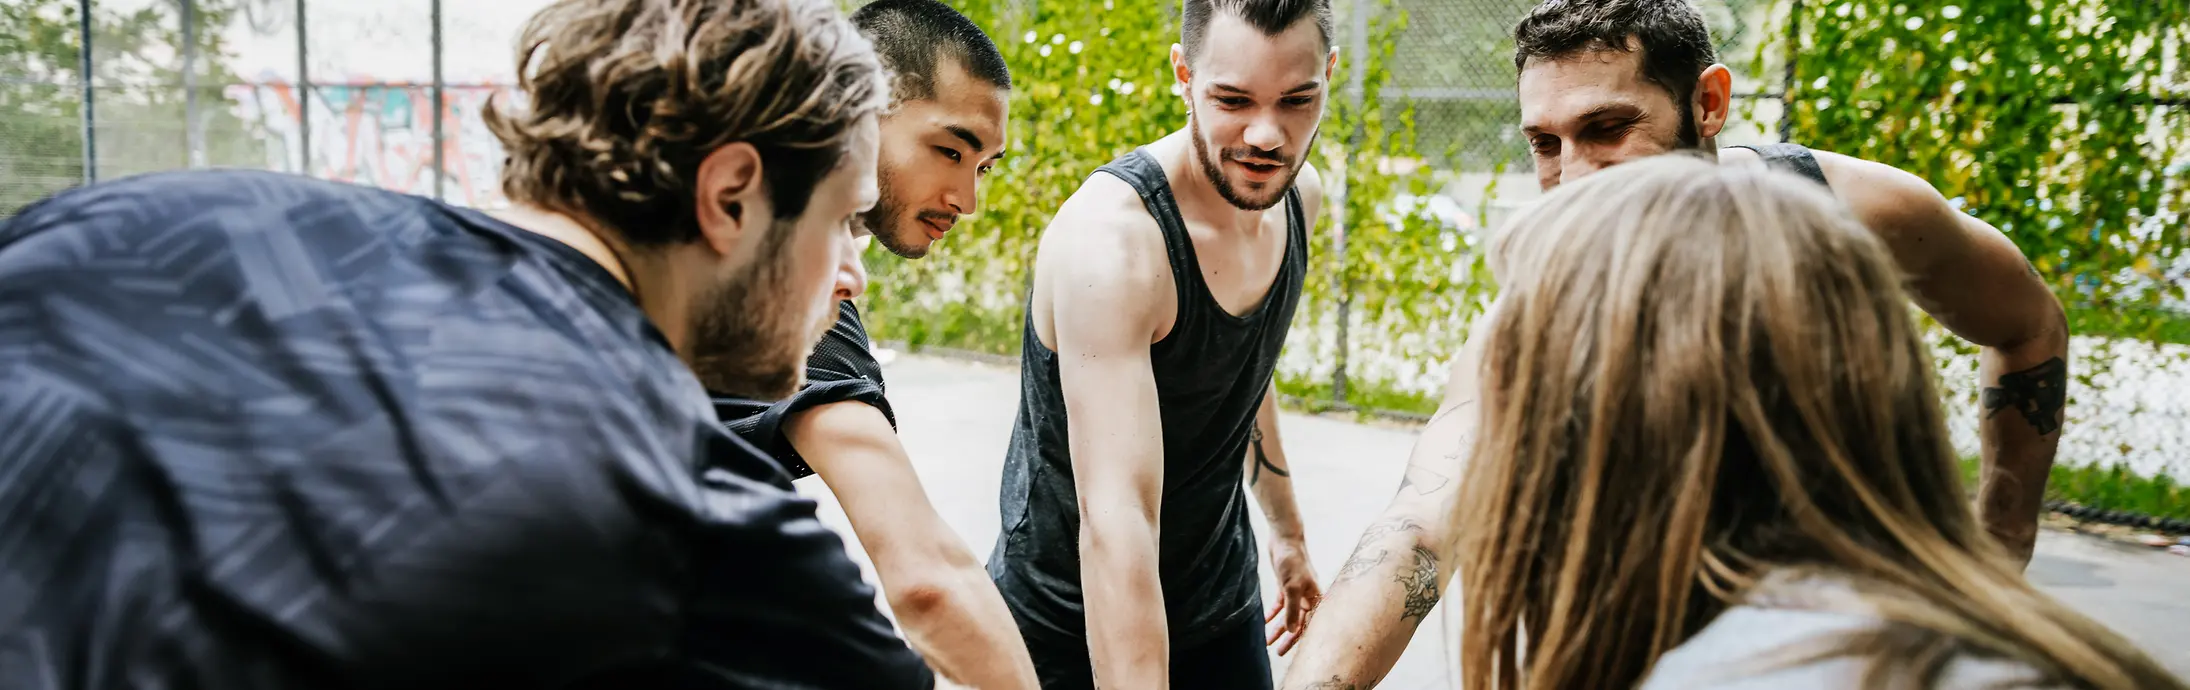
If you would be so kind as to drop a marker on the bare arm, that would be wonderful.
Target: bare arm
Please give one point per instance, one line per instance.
(1974, 281)
(1270, 476)
(1100, 287)
(948, 608)
(1399, 569)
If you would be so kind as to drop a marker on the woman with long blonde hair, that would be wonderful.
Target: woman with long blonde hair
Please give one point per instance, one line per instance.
(1711, 454)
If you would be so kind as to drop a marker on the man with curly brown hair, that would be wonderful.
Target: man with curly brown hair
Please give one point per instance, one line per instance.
(259, 430)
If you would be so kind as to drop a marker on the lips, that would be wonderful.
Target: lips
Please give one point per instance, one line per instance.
(937, 228)
(1259, 171)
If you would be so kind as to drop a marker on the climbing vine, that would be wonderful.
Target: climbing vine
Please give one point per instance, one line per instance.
(1090, 86)
(2054, 121)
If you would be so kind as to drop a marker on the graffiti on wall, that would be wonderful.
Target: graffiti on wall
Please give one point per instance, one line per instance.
(382, 135)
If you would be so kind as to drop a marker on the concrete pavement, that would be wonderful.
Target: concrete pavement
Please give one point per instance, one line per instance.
(955, 418)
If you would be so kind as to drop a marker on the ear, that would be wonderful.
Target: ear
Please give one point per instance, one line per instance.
(731, 197)
(1714, 100)
(1330, 65)
(1183, 73)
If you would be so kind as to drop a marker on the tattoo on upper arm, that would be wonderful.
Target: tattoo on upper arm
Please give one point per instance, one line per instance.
(1449, 409)
(1369, 553)
(1335, 683)
(1422, 480)
(2037, 394)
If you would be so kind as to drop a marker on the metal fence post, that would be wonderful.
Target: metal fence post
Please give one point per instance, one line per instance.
(440, 113)
(1787, 85)
(304, 97)
(193, 135)
(87, 115)
(1356, 71)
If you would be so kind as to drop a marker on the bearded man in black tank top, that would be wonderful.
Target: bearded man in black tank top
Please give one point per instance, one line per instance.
(1162, 295)
(1603, 82)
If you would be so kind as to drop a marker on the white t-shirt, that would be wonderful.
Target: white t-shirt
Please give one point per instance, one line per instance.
(1748, 646)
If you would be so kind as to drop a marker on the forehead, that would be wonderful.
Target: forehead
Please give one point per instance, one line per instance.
(854, 176)
(1554, 93)
(1236, 53)
(959, 99)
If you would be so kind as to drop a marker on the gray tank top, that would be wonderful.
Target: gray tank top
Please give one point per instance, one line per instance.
(1211, 373)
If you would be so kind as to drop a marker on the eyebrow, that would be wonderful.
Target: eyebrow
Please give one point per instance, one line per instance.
(1593, 114)
(971, 139)
(1310, 85)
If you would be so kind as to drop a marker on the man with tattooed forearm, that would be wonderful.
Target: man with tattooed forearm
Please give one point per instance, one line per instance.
(1399, 569)
(1602, 82)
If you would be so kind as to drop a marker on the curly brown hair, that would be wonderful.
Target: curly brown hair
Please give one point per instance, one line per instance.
(627, 97)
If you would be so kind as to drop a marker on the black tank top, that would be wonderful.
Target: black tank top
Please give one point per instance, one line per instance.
(1794, 158)
(1211, 372)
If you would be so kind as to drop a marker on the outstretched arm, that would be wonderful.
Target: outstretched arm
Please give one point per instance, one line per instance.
(1974, 281)
(948, 608)
(1271, 477)
(1399, 569)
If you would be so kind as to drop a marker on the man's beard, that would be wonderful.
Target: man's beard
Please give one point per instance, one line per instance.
(886, 220)
(749, 340)
(1690, 137)
(1213, 167)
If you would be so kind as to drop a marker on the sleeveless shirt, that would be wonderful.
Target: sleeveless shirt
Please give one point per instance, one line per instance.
(1794, 158)
(1211, 373)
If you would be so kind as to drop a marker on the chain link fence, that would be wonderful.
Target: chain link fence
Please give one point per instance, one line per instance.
(379, 92)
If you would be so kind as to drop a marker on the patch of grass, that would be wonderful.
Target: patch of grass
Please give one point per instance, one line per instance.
(955, 325)
(1314, 394)
(2115, 487)
(2107, 487)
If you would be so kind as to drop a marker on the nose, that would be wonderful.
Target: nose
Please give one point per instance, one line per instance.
(851, 274)
(1574, 165)
(964, 195)
(1264, 134)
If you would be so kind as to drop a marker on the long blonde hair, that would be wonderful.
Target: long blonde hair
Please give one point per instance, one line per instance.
(1695, 377)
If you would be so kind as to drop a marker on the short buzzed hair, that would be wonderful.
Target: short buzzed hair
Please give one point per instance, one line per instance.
(1675, 42)
(1271, 17)
(910, 36)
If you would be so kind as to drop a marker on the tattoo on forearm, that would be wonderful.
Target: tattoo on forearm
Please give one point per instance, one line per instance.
(2037, 394)
(1358, 564)
(1262, 462)
(1335, 683)
(1420, 583)
(1369, 552)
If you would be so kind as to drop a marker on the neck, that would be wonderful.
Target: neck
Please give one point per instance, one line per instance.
(1197, 195)
(650, 277)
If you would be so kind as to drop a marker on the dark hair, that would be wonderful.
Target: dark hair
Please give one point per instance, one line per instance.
(911, 34)
(1272, 17)
(1675, 43)
(627, 97)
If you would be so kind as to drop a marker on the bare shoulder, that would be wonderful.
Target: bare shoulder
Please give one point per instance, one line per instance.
(1102, 230)
(1103, 248)
(1888, 199)
(1310, 184)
